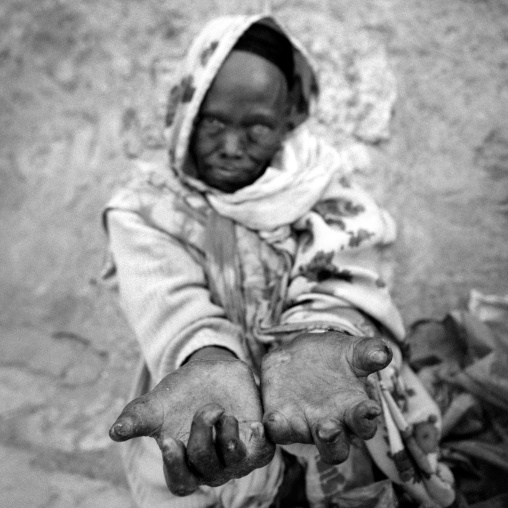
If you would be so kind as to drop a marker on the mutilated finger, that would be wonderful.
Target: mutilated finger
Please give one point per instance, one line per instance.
(229, 446)
(331, 441)
(370, 355)
(141, 417)
(201, 446)
(361, 419)
(278, 428)
(179, 479)
(260, 450)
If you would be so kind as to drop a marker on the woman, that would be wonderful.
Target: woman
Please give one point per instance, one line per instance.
(255, 276)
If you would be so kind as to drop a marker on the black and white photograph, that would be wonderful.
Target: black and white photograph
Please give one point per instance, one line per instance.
(254, 254)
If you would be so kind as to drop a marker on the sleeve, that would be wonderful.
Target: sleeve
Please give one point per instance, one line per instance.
(164, 295)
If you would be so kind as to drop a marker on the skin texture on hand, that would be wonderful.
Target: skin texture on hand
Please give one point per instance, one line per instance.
(206, 419)
(314, 391)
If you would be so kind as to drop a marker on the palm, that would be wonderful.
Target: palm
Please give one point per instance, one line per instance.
(314, 391)
(206, 419)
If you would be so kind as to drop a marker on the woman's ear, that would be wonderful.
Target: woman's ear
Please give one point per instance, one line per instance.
(289, 109)
(289, 105)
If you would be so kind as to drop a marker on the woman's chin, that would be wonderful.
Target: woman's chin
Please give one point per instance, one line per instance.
(228, 185)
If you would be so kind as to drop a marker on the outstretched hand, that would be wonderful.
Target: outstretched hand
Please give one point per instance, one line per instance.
(206, 419)
(314, 391)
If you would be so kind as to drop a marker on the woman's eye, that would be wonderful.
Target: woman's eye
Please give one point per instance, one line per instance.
(211, 125)
(260, 133)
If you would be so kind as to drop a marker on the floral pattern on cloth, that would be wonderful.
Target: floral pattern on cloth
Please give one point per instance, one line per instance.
(406, 446)
(203, 60)
(329, 290)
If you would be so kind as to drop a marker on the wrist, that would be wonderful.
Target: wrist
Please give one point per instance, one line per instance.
(210, 353)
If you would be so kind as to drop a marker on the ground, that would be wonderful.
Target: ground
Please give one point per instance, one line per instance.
(421, 85)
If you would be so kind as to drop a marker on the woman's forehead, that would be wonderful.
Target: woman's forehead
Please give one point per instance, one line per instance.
(249, 74)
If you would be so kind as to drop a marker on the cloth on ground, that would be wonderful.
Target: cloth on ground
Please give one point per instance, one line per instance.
(463, 362)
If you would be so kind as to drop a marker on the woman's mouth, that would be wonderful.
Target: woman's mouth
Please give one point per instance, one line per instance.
(225, 169)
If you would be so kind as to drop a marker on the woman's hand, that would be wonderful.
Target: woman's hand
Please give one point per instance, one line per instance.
(314, 391)
(206, 419)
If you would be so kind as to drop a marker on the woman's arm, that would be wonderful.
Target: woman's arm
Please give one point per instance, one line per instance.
(164, 296)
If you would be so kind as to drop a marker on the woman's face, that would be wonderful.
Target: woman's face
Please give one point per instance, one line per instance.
(241, 122)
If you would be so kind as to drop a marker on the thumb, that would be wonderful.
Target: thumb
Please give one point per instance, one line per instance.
(369, 355)
(141, 417)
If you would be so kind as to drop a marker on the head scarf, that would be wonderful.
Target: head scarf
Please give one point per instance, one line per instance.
(270, 44)
(205, 57)
(297, 177)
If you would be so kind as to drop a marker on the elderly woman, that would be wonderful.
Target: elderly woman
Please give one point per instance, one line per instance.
(255, 277)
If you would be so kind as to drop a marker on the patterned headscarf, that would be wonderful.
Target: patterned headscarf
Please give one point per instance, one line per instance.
(206, 55)
(270, 44)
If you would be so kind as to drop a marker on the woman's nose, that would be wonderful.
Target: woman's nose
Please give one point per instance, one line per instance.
(232, 143)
